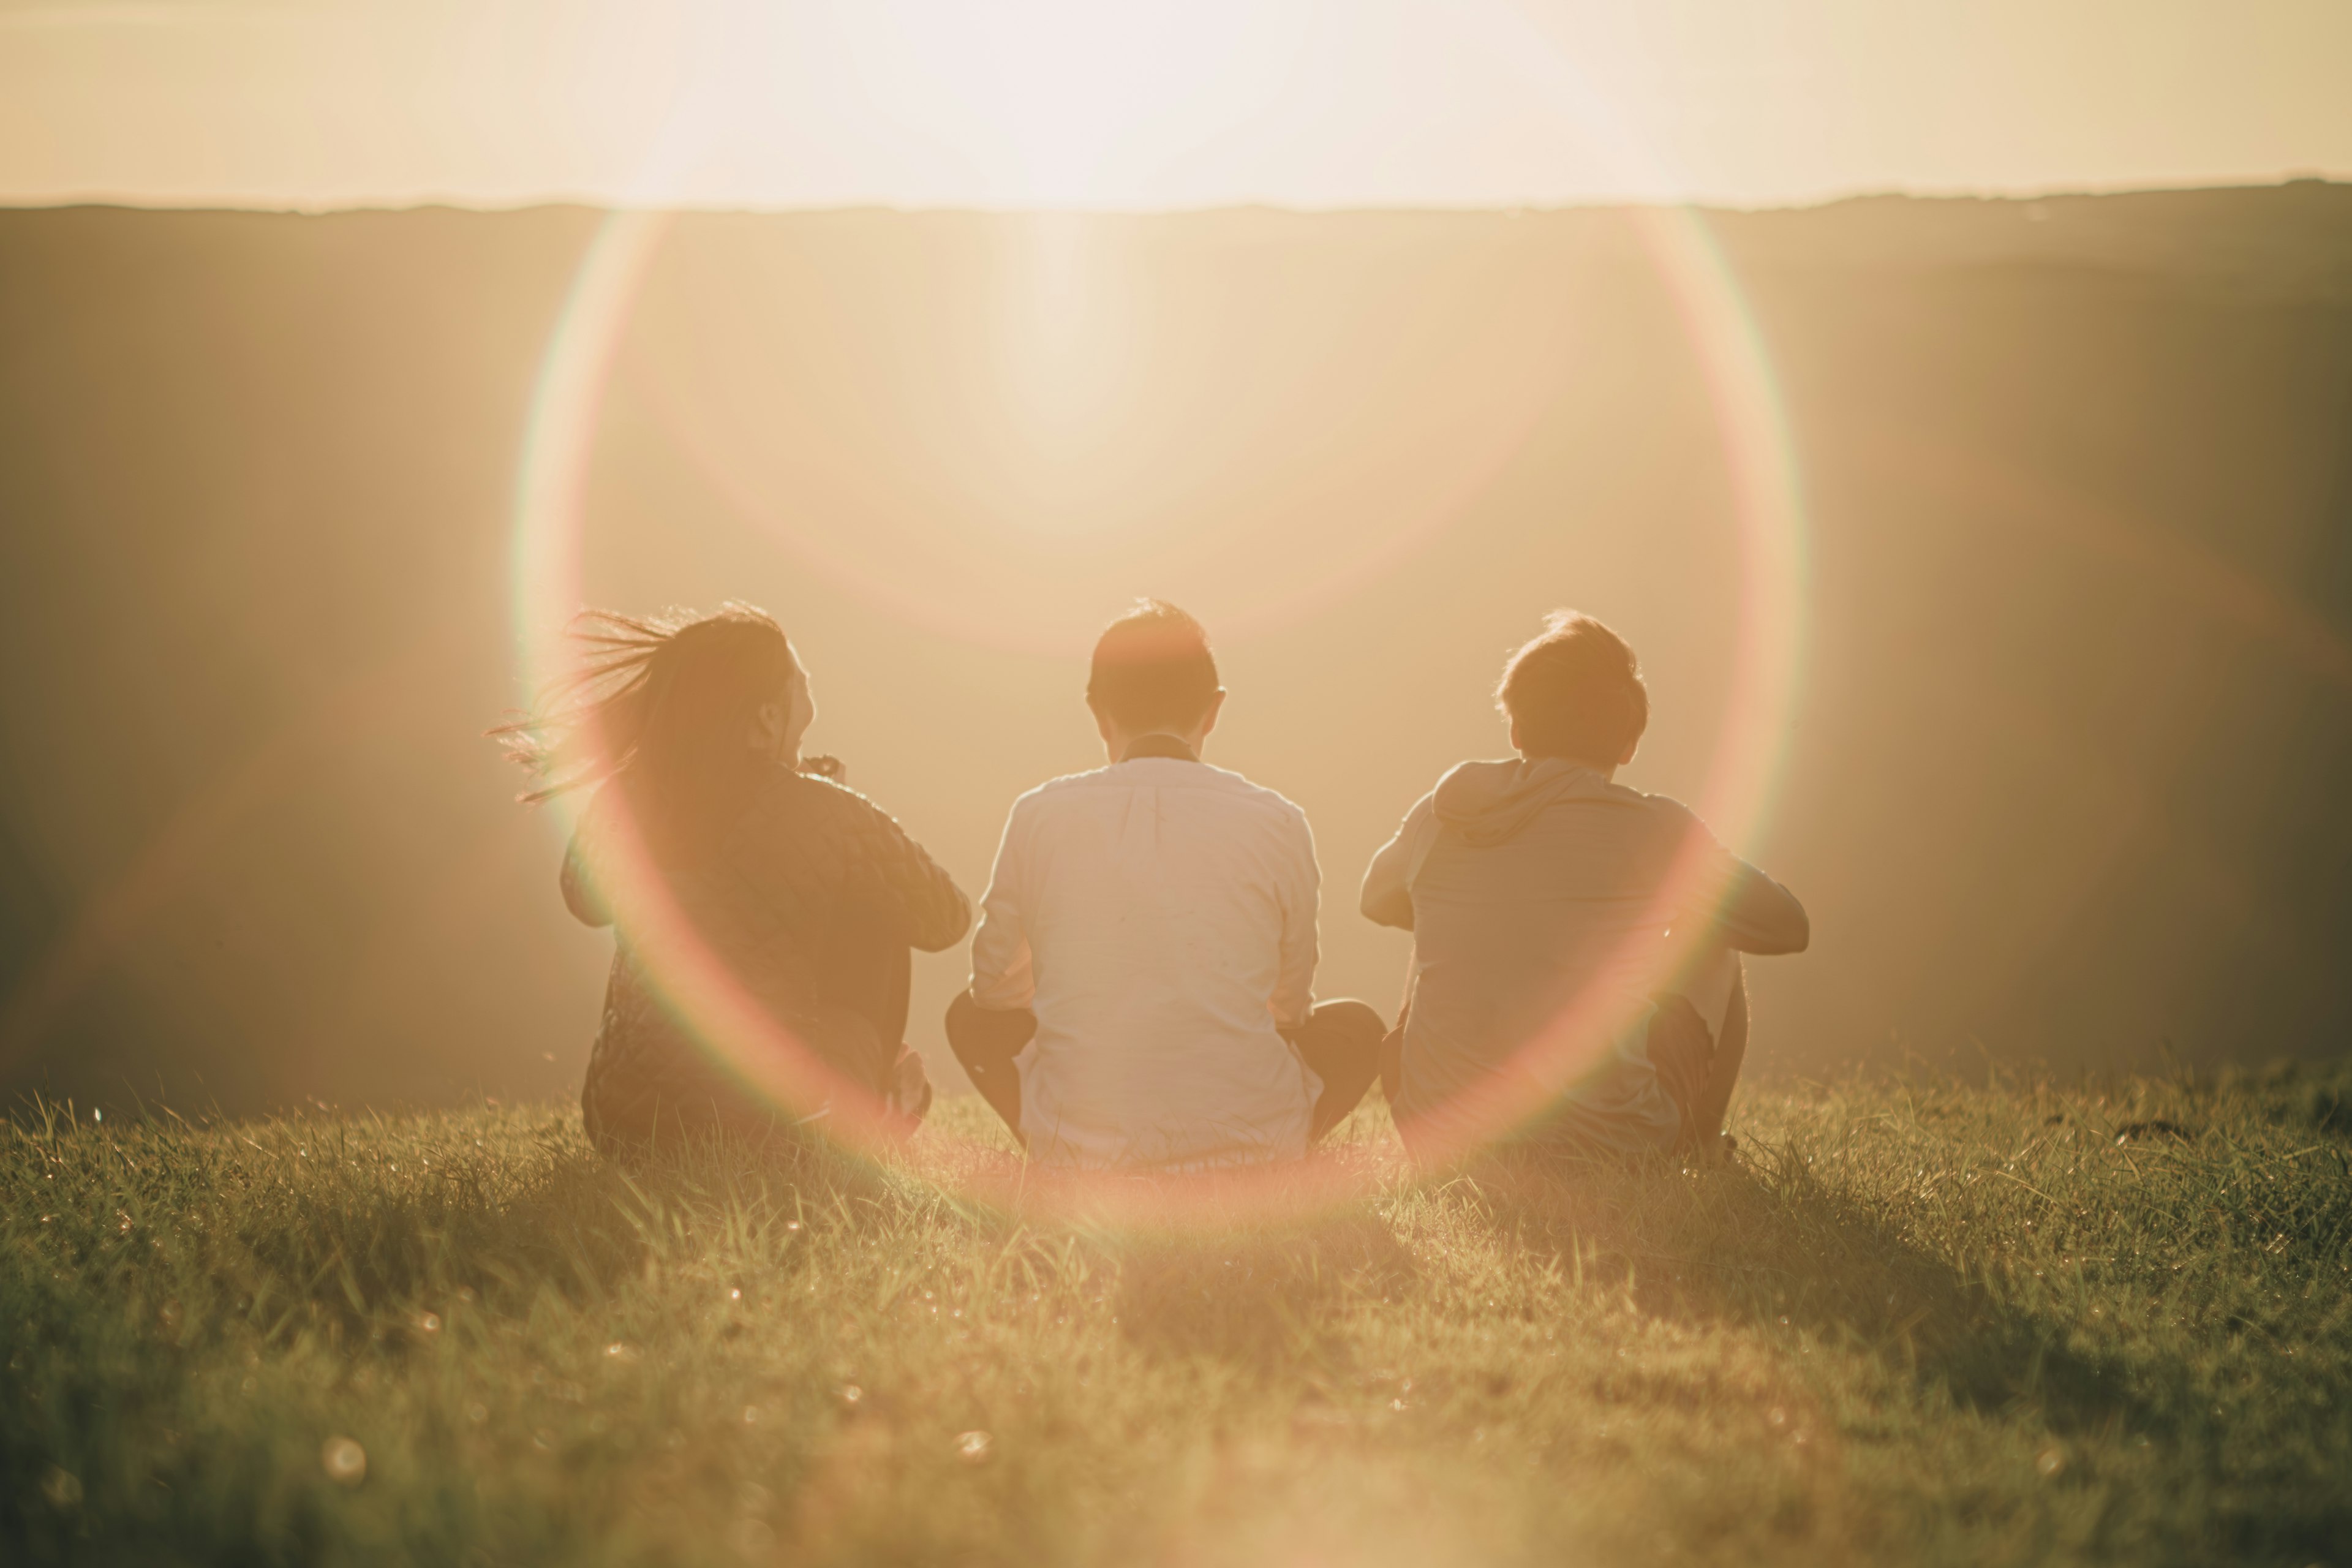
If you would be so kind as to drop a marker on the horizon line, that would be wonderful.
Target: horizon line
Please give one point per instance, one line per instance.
(449, 202)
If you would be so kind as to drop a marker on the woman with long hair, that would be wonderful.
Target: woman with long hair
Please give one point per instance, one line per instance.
(762, 911)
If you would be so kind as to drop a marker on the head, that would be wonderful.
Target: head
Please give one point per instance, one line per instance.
(687, 710)
(1575, 692)
(1153, 675)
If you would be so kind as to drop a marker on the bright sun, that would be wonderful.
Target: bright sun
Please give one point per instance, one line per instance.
(1071, 102)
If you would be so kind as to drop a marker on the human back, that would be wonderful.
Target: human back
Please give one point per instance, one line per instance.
(1570, 933)
(761, 915)
(1168, 908)
(1142, 989)
(1541, 903)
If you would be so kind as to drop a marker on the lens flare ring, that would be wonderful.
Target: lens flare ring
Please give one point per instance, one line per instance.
(769, 1061)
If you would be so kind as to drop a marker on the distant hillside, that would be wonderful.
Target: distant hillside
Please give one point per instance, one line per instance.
(2067, 779)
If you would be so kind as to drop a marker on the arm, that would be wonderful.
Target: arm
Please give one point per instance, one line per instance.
(1300, 892)
(581, 878)
(1749, 911)
(1387, 898)
(900, 879)
(580, 893)
(1759, 916)
(1003, 977)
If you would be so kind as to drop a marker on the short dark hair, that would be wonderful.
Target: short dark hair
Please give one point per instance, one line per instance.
(1152, 667)
(1575, 692)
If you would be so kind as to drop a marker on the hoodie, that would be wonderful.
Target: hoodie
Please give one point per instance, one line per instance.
(1549, 905)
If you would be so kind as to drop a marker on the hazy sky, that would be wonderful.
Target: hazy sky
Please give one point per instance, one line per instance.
(1158, 102)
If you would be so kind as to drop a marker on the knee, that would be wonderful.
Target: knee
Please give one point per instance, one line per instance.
(1359, 1024)
(986, 1037)
(964, 1030)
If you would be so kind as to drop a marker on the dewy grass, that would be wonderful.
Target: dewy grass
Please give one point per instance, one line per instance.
(1914, 1324)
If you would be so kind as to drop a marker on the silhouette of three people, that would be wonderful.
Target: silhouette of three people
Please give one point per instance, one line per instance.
(1143, 977)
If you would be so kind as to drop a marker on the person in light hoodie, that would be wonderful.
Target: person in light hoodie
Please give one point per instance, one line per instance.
(1576, 977)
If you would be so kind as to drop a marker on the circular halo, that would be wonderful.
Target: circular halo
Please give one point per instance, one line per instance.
(1769, 524)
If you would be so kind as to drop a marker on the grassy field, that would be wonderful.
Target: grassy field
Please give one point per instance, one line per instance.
(1940, 1324)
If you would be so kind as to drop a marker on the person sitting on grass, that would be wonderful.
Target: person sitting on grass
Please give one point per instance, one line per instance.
(762, 911)
(1575, 973)
(1142, 979)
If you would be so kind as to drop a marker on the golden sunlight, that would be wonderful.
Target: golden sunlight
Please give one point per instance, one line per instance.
(1432, 783)
(1153, 104)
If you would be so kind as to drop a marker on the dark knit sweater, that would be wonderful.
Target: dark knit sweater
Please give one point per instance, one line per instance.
(808, 904)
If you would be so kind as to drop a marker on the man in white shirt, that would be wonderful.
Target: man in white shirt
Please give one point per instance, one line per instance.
(1143, 978)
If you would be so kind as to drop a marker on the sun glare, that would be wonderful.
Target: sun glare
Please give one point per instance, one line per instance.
(1098, 403)
(1070, 103)
(1212, 781)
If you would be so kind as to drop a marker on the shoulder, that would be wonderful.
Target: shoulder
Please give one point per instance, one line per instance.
(1053, 794)
(1066, 784)
(606, 822)
(1425, 808)
(594, 830)
(1657, 805)
(1230, 790)
(1275, 814)
(1662, 811)
(788, 799)
(1248, 789)
(1154, 774)
(1416, 832)
(1253, 797)
(595, 818)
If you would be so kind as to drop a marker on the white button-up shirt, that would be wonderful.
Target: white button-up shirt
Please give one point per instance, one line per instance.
(1159, 917)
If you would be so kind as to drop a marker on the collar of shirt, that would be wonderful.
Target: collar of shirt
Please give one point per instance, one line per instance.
(1159, 746)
